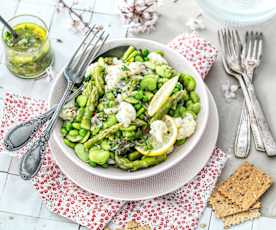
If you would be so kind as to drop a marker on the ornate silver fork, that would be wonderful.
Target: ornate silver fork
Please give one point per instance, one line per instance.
(233, 59)
(250, 59)
(73, 73)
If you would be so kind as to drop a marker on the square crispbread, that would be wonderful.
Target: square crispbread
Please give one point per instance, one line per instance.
(240, 217)
(224, 207)
(245, 186)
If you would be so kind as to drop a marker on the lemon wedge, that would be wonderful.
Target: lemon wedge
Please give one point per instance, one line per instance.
(168, 141)
(162, 96)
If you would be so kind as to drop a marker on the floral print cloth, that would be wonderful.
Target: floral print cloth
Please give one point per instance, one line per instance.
(178, 210)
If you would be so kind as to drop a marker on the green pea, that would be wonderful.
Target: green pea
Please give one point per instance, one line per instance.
(149, 82)
(140, 111)
(83, 132)
(73, 132)
(73, 138)
(99, 156)
(76, 125)
(194, 108)
(105, 145)
(138, 95)
(68, 126)
(191, 85)
(138, 58)
(69, 143)
(81, 152)
(188, 103)
(180, 142)
(137, 106)
(194, 96)
(82, 100)
(145, 52)
(63, 131)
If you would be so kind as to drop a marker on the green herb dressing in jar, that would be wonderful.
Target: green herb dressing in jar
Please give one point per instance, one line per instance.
(29, 54)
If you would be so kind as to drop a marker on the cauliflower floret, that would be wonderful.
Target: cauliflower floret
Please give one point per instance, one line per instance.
(157, 58)
(157, 129)
(113, 76)
(186, 127)
(136, 68)
(126, 114)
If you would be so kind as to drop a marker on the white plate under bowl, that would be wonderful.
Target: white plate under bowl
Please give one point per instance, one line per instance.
(180, 64)
(158, 185)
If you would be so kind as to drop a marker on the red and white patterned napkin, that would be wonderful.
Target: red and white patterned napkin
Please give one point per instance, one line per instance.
(178, 210)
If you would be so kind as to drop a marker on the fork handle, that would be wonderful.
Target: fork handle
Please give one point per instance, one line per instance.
(242, 140)
(266, 134)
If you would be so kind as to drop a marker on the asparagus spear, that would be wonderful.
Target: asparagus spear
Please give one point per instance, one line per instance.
(125, 164)
(101, 135)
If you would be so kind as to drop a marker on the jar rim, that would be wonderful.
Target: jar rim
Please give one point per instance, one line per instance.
(28, 15)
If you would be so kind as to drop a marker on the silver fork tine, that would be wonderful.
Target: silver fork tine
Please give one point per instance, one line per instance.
(255, 46)
(75, 67)
(91, 57)
(85, 58)
(260, 47)
(79, 47)
(249, 45)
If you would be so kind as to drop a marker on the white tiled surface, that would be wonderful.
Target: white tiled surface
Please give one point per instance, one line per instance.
(20, 206)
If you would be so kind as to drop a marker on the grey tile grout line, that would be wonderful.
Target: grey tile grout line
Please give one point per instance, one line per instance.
(35, 217)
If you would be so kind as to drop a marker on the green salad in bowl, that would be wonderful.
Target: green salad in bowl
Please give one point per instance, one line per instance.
(132, 112)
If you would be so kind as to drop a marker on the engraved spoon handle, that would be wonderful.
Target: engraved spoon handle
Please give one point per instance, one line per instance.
(31, 161)
(242, 140)
(266, 134)
(22, 133)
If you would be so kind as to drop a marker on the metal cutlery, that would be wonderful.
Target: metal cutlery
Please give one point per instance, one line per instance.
(73, 73)
(250, 59)
(22, 133)
(232, 55)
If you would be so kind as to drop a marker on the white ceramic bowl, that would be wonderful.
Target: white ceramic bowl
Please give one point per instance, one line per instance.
(180, 64)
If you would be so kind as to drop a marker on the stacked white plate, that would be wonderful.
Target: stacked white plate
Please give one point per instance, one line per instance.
(160, 183)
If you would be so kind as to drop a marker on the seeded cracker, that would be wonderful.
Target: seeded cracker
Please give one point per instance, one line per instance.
(240, 217)
(224, 207)
(245, 186)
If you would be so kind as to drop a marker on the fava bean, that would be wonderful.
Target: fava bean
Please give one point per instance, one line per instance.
(99, 156)
(81, 152)
(83, 132)
(68, 126)
(69, 143)
(73, 132)
(63, 131)
(76, 125)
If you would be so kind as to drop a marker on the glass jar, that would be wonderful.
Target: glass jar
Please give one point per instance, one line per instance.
(29, 54)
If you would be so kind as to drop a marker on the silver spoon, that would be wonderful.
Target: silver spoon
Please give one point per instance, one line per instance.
(14, 34)
(31, 162)
(22, 133)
